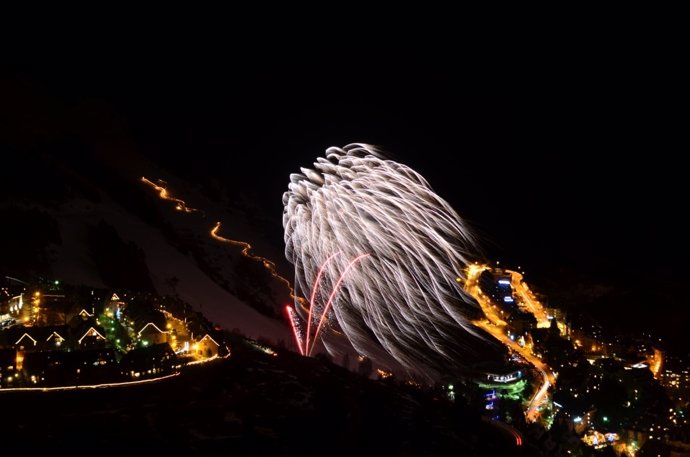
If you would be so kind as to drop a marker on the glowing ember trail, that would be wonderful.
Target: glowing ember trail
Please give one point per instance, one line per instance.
(163, 193)
(246, 251)
(295, 321)
(314, 288)
(295, 324)
(327, 308)
(181, 205)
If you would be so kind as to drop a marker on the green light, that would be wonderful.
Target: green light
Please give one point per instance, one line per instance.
(513, 391)
(145, 343)
(606, 419)
(57, 282)
(450, 386)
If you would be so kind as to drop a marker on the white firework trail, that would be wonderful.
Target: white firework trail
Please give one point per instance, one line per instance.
(296, 328)
(402, 305)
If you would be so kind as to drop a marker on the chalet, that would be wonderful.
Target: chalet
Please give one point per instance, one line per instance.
(206, 348)
(14, 305)
(114, 307)
(55, 339)
(17, 336)
(26, 342)
(77, 319)
(151, 334)
(35, 338)
(84, 314)
(49, 338)
(91, 338)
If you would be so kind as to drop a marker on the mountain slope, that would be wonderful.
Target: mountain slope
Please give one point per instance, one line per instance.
(71, 182)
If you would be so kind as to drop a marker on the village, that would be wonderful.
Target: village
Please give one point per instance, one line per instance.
(60, 336)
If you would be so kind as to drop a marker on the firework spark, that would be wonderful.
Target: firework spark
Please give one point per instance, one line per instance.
(314, 289)
(296, 328)
(404, 304)
(333, 294)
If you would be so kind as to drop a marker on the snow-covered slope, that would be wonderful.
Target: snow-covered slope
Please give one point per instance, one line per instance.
(77, 161)
(73, 264)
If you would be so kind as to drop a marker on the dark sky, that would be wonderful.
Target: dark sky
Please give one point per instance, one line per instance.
(565, 162)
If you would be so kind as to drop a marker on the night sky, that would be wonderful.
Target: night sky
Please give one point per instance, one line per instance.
(566, 166)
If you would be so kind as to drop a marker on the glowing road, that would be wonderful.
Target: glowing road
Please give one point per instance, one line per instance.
(496, 326)
(527, 300)
(88, 386)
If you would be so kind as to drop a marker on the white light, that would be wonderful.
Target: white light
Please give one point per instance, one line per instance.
(402, 304)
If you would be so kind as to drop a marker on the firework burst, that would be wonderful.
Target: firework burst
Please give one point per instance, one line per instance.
(402, 303)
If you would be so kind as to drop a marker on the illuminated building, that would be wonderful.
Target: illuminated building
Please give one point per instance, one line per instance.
(82, 352)
(206, 347)
(91, 337)
(114, 307)
(675, 377)
(497, 382)
(153, 334)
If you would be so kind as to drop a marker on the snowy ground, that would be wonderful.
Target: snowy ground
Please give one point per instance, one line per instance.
(163, 260)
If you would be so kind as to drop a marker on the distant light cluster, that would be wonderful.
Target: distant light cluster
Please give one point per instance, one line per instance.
(381, 257)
